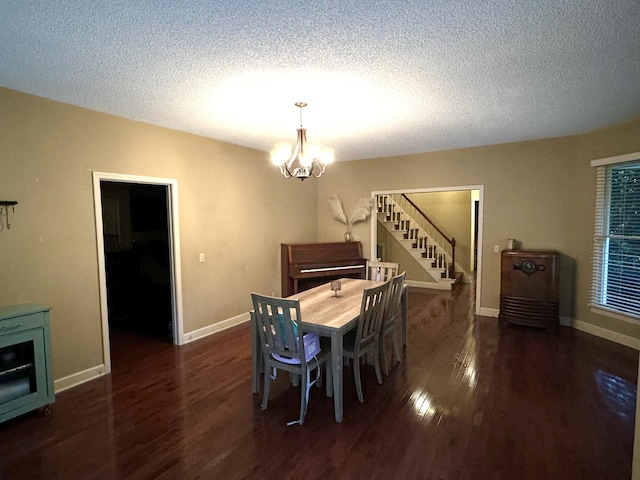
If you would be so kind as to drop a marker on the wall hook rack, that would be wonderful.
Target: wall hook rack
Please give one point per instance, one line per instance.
(4, 205)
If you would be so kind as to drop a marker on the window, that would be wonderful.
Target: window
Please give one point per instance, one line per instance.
(616, 253)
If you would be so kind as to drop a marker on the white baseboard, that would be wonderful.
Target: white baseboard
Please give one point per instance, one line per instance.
(616, 337)
(79, 378)
(92, 373)
(606, 334)
(431, 285)
(216, 327)
(489, 312)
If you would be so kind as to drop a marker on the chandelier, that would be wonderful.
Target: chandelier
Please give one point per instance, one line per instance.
(303, 160)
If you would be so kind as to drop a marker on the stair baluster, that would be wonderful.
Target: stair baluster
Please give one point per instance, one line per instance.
(397, 212)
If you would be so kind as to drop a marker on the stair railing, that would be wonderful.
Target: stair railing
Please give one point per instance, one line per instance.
(446, 244)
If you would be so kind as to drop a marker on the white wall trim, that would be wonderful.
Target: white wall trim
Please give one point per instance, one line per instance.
(606, 334)
(92, 373)
(174, 251)
(588, 328)
(430, 285)
(627, 157)
(216, 327)
(489, 312)
(78, 378)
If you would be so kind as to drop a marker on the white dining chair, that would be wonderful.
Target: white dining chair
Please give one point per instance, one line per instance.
(365, 338)
(392, 314)
(284, 347)
(381, 271)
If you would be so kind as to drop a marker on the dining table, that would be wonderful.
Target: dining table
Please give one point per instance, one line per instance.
(332, 315)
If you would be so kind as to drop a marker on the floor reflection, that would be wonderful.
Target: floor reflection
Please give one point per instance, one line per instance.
(423, 405)
(618, 393)
(468, 401)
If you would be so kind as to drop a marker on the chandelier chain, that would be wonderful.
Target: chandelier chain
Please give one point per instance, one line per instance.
(301, 105)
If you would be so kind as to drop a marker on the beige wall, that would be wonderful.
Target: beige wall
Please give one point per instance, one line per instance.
(232, 206)
(600, 144)
(236, 210)
(539, 192)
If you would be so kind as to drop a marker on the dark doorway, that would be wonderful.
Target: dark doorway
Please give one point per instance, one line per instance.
(137, 258)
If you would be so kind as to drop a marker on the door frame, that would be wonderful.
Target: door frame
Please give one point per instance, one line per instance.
(480, 188)
(174, 254)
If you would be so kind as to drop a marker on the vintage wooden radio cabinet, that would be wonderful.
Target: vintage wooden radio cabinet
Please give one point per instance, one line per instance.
(529, 288)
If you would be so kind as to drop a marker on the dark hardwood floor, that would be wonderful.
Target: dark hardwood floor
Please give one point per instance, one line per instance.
(470, 400)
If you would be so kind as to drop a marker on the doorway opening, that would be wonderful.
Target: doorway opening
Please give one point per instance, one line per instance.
(470, 219)
(136, 244)
(138, 256)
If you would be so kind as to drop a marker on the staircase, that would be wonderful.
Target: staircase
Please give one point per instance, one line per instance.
(431, 248)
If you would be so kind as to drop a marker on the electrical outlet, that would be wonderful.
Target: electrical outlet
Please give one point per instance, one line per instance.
(202, 258)
(496, 249)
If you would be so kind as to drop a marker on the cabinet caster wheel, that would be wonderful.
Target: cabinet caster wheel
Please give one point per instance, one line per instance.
(45, 411)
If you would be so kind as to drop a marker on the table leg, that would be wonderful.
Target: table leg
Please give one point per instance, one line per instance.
(405, 305)
(255, 355)
(336, 365)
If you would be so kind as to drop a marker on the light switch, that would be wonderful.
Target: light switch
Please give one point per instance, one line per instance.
(496, 249)
(202, 258)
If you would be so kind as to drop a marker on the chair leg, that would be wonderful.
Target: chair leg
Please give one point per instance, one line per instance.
(383, 355)
(267, 383)
(377, 363)
(356, 373)
(395, 345)
(305, 380)
(319, 376)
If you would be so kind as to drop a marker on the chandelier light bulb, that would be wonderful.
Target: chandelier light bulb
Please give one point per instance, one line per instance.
(306, 161)
(280, 154)
(326, 156)
(313, 151)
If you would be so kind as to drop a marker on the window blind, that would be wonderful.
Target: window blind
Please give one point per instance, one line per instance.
(616, 245)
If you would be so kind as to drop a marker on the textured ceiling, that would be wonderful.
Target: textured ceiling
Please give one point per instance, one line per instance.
(381, 78)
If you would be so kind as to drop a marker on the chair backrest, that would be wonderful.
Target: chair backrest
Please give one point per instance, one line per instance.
(393, 308)
(277, 322)
(382, 271)
(371, 313)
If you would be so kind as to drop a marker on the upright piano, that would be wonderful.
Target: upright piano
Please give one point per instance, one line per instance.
(306, 265)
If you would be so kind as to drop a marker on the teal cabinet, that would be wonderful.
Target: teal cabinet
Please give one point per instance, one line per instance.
(26, 380)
